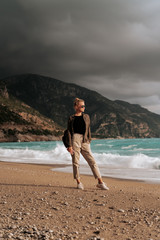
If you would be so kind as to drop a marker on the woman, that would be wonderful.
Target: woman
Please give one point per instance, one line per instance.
(79, 138)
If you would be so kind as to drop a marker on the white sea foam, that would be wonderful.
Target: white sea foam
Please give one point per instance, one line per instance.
(56, 155)
(129, 147)
(137, 166)
(60, 155)
(145, 149)
(135, 161)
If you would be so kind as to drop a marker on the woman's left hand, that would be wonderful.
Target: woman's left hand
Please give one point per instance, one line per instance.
(70, 150)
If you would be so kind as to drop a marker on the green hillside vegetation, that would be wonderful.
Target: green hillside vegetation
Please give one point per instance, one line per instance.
(19, 121)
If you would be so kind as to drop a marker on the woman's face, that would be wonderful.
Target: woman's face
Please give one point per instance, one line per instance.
(80, 107)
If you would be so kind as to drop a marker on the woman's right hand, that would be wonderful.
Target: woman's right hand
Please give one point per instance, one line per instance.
(70, 150)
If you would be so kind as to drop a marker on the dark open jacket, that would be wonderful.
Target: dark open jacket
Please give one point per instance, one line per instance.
(70, 130)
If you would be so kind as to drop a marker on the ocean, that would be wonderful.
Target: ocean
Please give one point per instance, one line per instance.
(135, 159)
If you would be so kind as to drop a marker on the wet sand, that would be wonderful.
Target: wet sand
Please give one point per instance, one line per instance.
(37, 203)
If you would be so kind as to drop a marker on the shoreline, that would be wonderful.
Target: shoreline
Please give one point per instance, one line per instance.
(57, 167)
(151, 181)
(37, 203)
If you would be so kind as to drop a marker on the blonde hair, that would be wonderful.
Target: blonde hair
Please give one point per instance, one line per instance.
(77, 100)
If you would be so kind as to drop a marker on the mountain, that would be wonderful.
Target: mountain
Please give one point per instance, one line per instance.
(20, 122)
(54, 99)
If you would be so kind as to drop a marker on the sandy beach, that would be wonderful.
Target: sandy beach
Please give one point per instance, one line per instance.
(37, 203)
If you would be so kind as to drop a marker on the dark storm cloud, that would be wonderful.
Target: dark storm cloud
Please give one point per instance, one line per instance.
(112, 46)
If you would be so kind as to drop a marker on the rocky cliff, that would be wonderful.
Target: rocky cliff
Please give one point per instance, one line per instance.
(20, 122)
(54, 99)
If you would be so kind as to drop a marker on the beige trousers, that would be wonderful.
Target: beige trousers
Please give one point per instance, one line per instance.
(84, 149)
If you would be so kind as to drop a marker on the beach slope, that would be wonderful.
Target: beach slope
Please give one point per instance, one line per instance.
(37, 203)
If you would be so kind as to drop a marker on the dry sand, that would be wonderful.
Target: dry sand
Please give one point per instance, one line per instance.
(37, 203)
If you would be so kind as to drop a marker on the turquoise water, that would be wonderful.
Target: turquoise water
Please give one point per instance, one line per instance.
(128, 147)
(124, 158)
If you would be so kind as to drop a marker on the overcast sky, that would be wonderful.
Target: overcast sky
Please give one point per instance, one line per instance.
(111, 46)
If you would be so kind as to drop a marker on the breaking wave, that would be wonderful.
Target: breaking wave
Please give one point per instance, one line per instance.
(59, 155)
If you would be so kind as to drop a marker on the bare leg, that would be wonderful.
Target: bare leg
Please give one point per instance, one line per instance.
(100, 180)
(78, 180)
